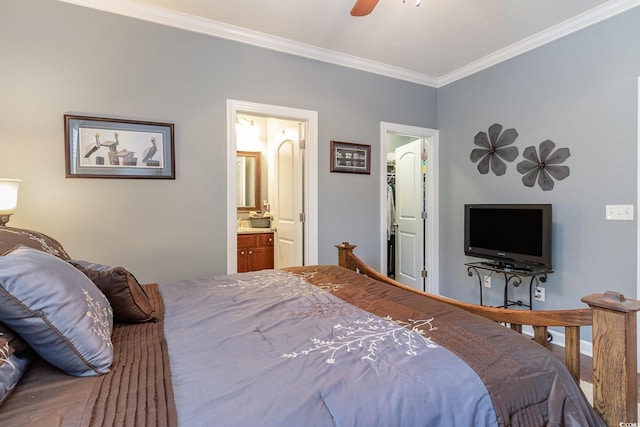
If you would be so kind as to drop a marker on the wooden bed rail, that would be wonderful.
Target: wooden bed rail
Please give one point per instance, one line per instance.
(614, 338)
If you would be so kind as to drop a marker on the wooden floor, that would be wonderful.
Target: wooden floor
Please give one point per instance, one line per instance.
(586, 366)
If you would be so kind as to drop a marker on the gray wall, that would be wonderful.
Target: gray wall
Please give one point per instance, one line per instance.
(58, 58)
(581, 92)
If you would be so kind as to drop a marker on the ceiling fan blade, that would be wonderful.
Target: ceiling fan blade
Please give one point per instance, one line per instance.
(363, 7)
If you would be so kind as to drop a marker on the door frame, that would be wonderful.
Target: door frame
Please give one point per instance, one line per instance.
(432, 264)
(638, 228)
(310, 191)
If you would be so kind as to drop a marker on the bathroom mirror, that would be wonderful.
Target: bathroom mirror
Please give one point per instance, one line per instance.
(248, 180)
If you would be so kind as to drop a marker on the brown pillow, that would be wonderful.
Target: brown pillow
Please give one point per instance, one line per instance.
(11, 237)
(128, 300)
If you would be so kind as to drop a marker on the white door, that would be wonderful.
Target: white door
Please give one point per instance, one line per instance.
(409, 220)
(286, 204)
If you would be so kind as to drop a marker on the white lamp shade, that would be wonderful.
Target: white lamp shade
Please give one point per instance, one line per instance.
(8, 195)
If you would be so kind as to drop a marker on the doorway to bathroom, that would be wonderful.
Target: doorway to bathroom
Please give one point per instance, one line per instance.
(286, 140)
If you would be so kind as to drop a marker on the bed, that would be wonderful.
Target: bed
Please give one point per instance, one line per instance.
(315, 345)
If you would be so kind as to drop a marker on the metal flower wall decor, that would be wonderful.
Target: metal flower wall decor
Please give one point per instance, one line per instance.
(494, 149)
(541, 166)
(544, 166)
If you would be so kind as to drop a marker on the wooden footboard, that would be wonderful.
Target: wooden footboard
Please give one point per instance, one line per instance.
(614, 337)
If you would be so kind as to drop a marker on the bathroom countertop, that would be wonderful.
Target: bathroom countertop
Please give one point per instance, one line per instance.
(251, 230)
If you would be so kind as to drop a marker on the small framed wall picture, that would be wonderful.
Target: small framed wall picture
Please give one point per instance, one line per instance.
(98, 147)
(350, 158)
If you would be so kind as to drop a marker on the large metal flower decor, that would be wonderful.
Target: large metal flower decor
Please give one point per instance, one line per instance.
(494, 149)
(543, 167)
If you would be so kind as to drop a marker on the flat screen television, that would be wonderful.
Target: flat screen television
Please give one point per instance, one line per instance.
(514, 236)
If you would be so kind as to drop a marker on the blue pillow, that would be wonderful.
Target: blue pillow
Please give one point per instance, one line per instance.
(15, 358)
(57, 310)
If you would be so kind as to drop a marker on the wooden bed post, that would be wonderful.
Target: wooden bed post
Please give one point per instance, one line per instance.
(345, 250)
(615, 380)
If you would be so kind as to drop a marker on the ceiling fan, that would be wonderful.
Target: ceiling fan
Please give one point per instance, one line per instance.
(365, 7)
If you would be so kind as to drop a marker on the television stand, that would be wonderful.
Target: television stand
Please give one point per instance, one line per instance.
(503, 266)
(513, 274)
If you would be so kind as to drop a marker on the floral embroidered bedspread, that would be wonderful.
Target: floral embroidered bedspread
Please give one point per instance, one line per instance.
(323, 346)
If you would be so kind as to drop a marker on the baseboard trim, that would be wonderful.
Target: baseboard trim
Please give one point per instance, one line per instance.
(558, 338)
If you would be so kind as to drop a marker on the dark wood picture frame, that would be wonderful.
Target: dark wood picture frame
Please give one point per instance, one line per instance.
(100, 147)
(348, 157)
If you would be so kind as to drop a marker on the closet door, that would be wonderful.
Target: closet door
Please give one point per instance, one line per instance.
(409, 208)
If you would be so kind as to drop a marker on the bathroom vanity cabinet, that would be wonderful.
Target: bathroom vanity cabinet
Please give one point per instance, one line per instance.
(255, 251)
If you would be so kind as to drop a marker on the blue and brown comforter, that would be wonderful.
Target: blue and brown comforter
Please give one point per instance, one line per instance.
(324, 346)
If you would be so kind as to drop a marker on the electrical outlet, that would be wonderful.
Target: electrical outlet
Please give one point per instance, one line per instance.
(538, 293)
(487, 281)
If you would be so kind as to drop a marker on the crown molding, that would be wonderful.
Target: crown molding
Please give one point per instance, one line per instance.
(213, 28)
(586, 19)
(242, 35)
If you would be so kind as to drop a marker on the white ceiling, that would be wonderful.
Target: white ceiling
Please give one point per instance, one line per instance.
(433, 44)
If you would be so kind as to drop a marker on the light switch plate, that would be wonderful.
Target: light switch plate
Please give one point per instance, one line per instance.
(619, 212)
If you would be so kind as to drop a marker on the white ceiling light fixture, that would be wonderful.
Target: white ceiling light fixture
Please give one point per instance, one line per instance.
(243, 121)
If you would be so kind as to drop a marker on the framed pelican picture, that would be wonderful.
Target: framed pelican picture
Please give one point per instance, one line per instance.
(98, 147)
